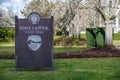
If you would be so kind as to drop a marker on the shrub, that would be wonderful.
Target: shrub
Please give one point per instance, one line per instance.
(68, 41)
(100, 40)
(95, 37)
(58, 32)
(90, 38)
(57, 40)
(7, 34)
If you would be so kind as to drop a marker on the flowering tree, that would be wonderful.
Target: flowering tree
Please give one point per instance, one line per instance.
(107, 9)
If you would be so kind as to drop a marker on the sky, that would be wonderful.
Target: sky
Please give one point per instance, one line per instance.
(15, 5)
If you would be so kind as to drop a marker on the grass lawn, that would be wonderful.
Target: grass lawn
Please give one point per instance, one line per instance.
(67, 69)
(62, 49)
(7, 44)
(9, 48)
(116, 42)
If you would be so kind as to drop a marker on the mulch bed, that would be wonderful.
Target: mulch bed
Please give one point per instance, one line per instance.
(91, 53)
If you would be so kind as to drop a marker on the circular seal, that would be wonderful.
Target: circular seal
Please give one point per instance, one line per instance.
(34, 42)
(34, 18)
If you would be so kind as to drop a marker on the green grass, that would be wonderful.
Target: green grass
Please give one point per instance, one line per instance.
(116, 36)
(9, 48)
(62, 49)
(83, 36)
(116, 42)
(7, 44)
(67, 69)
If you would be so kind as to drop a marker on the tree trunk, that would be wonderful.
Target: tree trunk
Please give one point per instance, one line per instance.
(71, 32)
(108, 33)
(117, 24)
(78, 31)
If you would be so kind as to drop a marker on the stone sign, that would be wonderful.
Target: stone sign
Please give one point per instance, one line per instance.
(34, 42)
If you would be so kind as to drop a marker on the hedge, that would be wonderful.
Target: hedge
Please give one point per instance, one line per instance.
(95, 37)
(68, 41)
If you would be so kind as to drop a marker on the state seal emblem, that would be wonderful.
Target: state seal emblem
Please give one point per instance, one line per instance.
(34, 18)
(34, 42)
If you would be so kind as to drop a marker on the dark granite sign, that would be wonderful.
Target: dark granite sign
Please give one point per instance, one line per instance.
(34, 42)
